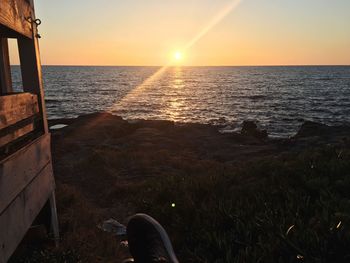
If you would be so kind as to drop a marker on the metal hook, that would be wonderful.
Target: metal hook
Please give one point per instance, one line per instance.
(37, 22)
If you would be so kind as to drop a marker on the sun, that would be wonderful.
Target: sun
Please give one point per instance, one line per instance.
(178, 56)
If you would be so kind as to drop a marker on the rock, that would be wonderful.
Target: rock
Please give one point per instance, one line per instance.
(249, 128)
(113, 226)
(314, 129)
(156, 124)
(310, 129)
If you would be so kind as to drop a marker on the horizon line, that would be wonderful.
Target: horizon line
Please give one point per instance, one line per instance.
(177, 66)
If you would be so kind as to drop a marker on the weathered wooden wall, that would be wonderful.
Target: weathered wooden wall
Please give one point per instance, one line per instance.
(26, 183)
(5, 69)
(17, 116)
(14, 178)
(17, 107)
(26, 176)
(15, 17)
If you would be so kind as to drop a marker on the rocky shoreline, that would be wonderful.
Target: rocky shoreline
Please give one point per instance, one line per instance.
(100, 129)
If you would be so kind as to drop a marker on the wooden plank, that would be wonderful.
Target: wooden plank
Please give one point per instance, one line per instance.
(16, 134)
(19, 216)
(5, 70)
(32, 73)
(17, 107)
(54, 219)
(19, 169)
(14, 15)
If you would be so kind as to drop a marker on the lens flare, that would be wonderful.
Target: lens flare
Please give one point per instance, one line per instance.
(178, 55)
(216, 20)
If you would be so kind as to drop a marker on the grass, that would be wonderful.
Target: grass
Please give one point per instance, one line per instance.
(291, 208)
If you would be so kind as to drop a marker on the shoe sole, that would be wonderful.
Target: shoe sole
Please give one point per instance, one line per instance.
(163, 234)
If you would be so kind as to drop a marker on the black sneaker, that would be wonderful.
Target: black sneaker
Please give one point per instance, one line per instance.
(148, 241)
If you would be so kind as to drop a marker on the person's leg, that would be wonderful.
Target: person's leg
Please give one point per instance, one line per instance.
(148, 241)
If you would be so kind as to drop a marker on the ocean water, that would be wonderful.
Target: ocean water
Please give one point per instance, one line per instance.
(279, 98)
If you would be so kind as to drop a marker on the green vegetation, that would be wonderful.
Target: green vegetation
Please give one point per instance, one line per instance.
(289, 209)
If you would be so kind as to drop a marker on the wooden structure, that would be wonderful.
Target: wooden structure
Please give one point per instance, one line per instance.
(26, 177)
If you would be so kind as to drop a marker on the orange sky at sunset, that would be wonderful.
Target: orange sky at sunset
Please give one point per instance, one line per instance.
(247, 32)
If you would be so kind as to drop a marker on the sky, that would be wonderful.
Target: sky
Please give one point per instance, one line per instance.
(206, 32)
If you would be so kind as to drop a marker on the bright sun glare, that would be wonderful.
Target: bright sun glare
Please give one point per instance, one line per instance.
(178, 56)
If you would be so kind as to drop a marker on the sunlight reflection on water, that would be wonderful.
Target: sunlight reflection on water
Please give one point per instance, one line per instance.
(279, 97)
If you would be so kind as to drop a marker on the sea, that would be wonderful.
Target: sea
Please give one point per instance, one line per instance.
(280, 99)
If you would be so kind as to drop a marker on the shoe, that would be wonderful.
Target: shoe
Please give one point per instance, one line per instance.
(128, 260)
(148, 241)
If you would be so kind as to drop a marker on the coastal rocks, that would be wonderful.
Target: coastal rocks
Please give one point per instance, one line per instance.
(314, 129)
(249, 128)
(155, 124)
(310, 129)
